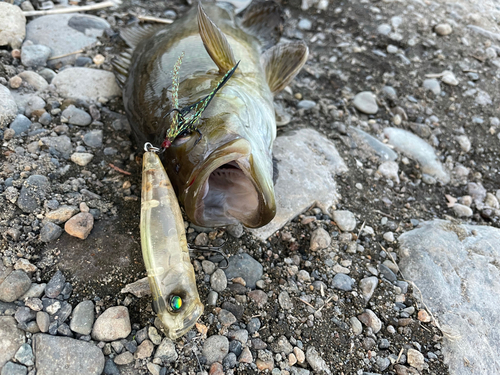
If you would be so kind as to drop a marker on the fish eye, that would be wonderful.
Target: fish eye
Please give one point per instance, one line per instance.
(175, 303)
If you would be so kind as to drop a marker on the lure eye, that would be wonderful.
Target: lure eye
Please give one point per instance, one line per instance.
(175, 303)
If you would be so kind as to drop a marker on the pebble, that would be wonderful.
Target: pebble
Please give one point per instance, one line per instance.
(61, 144)
(21, 124)
(259, 297)
(483, 98)
(367, 286)
(144, 350)
(343, 282)
(33, 193)
(244, 266)
(8, 107)
(24, 314)
(218, 280)
(93, 138)
(215, 348)
(65, 355)
(366, 102)
(345, 220)
(320, 239)
(35, 80)
(80, 225)
(216, 369)
(443, 29)
(15, 82)
(449, 78)
(464, 142)
(433, 85)
(201, 239)
(282, 345)
(226, 318)
(389, 236)
(110, 368)
(166, 351)
(285, 301)
(83, 318)
(11, 368)
(389, 169)
(13, 24)
(76, 116)
(383, 363)
(14, 286)
(87, 84)
(208, 267)
(316, 362)
(384, 29)
(265, 360)
(25, 355)
(154, 336)
(356, 326)
(50, 232)
(462, 211)
(370, 319)
(246, 356)
(47, 74)
(230, 361)
(112, 324)
(124, 358)
(304, 24)
(35, 55)
(235, 230)
(415, 359)
(212, 298)
(306, 104)
(55, 285)
(61, 214)
(241, 335)
(235, 347)
(253, 325)
(82, 158)
(43, 321)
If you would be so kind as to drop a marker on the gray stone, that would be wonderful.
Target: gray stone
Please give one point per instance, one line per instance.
(212, 298)
(124, 358)
(61, 144)
(24, 314)
(55, 285)
(35, 291)
(14, 286)
(306, 104)
(33, 193)
(443, 29)
(370, 319)
(432, 85)
(11, 368)
(483, 98)
(76, 116)
(356, 326)
(166, 351)
(83, 318)
(235, 230)
(218, 280)
(13, 24)
(47, 74)
(316, 362)
(285, 301)
(20, 124)
(389, 169)
(35, 55)
(383, 363)
(86, 83)
(461, 210)
(64, 355)
(93, 138)
(226, 318)
(454, 268)
(343, 282)
(305, 24)
(367, 286)
(384, 29)
(244, 266)
(112, 324)
(25, 355)
(35, 80)
(215, 348)
(8, 107)
(50, 232)
(11, 338)
(380, 149)
(65, 34)
(419, 150)
(282, 345)
(366, 102)
(307, 163)
(81, 158)
(61, 214)
(253, 325)
(43, 321)
(320, 239)
(345, 220)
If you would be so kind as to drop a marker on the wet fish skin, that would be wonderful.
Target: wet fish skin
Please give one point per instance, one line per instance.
(226, 177)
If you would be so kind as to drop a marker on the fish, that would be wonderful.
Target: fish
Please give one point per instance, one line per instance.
(165, 250)
(224, 176)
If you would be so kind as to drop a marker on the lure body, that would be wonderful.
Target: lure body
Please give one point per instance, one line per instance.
(165, 252)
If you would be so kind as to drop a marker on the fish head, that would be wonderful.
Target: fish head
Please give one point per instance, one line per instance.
(175, 299)
(225, 176)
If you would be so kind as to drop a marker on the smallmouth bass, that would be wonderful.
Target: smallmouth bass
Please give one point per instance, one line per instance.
(226, 176)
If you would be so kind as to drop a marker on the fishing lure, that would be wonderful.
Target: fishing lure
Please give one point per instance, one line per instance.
(184, 120)
(165, 251)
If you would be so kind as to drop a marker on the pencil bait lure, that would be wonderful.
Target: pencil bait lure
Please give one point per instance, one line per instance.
(185, 119)
(165, 252)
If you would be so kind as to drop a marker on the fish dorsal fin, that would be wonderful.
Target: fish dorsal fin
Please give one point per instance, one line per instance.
(264, 20)
(121, 65)
(282, 63)
(215, 42)
(135, 34)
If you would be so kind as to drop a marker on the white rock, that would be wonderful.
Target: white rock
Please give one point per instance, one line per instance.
(81, 158)
(389, 169)
(13, 24)
(449, 78)
(366, 102)
(443, 29)
(464, 143)
(8, 107)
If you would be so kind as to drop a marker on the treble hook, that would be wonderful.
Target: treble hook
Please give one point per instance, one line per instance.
(213, 249)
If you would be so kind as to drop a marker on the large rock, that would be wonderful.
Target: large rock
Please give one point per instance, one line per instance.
(14, 286)
(307, 164)
(63, 355)
(65, 34)
(244, 266)
(112, 324)
(11, 339)
(456, 269)
(8, 107)
(419, 150)
(86, 83)
(13, 24)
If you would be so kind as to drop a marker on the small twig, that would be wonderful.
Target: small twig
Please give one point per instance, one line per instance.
(361, 229)
(307, 303)
(153, 19)
(119, 169)
(65, 55)
(327, 300)
(84, 8)
(400, 354)
(383, 213)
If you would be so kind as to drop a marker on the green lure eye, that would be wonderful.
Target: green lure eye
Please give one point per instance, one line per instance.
(175, 303)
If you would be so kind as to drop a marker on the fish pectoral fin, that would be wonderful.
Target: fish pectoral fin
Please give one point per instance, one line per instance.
(282, 63)
(121, 64)
(215, 42)
(134, 35)
(264, 20)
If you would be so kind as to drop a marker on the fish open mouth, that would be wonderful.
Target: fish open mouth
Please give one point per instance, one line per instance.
(231, 189)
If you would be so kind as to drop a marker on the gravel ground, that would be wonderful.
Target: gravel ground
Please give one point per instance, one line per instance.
(405, 93)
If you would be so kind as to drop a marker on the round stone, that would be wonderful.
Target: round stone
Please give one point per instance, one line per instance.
(366, 102)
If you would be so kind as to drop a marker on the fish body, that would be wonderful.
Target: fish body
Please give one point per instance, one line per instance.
(165, 252)
(226, 176)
